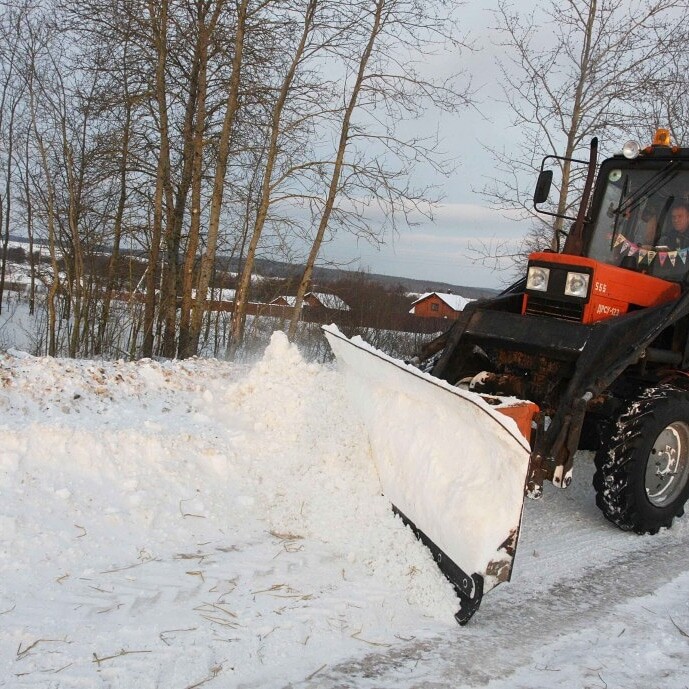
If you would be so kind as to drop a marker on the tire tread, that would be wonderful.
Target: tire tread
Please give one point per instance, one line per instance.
(616, 463)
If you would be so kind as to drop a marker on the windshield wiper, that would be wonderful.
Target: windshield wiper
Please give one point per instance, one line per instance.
(649, 187)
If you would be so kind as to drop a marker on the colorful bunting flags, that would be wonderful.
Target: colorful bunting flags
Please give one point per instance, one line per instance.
(625, 246)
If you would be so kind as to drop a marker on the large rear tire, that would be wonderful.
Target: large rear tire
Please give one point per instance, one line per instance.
(642, 468)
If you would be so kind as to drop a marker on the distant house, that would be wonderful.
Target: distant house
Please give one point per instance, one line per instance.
(284, 300)
(439, 305)
(318, 299)
(325, 300)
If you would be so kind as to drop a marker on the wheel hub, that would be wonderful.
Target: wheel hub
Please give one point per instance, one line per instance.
(667, 469)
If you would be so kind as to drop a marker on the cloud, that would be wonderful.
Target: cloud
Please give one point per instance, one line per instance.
(442, 250)
(478, 219)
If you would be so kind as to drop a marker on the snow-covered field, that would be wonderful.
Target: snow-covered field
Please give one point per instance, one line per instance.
(202, 524)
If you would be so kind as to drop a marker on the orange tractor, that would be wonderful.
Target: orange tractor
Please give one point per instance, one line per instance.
(595, 341)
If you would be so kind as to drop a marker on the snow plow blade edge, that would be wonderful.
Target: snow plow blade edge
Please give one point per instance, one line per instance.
(453, 467)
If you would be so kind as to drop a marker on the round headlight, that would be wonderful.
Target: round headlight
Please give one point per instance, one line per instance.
(631, 150)
(577, 284)
(537, 278)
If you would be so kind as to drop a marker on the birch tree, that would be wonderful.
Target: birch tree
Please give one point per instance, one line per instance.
(231, 107)
(207, 15)
(11, 89)
(665, 100)
(158, 17)
(305, 281)
(271, 154)
(382, 163)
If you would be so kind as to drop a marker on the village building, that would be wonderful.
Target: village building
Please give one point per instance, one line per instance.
(284, 300)
(317, 299)
(439, 305)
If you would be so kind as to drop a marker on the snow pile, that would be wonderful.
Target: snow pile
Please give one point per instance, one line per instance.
(181, 521)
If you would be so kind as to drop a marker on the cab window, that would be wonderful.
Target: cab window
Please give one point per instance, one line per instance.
(643, 220)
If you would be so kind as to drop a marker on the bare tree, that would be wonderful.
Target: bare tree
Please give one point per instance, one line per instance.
(158, 17)
(126, 109)
(382, 82)
(337, 167)
(272, 151)
(231, 108)
(664, 101)
(206, 23)
(11, 88)
(184, 128)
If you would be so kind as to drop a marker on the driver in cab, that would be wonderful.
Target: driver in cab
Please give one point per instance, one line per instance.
(677, 236)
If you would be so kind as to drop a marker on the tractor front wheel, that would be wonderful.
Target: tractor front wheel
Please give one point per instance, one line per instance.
(642, 467)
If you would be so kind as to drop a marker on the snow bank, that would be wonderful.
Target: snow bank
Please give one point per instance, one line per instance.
(163, 524)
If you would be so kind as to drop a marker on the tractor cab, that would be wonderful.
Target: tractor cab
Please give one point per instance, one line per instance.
(642, 214)
(630, 251)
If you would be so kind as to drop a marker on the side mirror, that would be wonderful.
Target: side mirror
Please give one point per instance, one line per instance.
(545, 179)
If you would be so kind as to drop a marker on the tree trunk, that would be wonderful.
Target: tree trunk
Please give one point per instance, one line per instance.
(29, 228)
(55, 282)
(337, 170)
(173, 234)
(119, 215)
(205, 32)
(242, 296)
(232, 105)
(8, 197)
(159, 29)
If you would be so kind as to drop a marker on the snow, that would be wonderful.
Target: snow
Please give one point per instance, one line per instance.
(198, 523)
(146, 498)
(215, 294)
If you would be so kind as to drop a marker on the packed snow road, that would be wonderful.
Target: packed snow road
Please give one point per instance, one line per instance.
(618, 618)
(195, 524)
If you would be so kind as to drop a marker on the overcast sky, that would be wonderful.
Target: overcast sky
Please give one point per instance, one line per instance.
(440, 249)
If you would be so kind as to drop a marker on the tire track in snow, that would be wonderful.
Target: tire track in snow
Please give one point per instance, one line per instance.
(512, 625)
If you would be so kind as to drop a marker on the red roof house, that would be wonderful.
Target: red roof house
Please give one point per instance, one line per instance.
(439, 305)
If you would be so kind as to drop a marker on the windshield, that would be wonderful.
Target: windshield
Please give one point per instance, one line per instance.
(643, 220)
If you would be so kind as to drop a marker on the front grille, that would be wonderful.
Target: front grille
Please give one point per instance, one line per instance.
(566, 310)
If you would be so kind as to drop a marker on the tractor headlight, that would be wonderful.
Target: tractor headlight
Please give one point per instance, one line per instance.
(537, 278)
(577, 284)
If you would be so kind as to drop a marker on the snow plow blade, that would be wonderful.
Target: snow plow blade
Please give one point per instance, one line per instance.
(453, 467)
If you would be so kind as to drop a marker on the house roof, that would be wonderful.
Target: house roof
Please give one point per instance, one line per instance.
(454, 301)
(291, 301)
(330, 301)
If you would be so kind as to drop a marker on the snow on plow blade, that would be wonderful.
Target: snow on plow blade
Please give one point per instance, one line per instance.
(452, 466)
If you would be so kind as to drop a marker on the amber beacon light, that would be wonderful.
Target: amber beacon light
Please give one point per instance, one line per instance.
(661, 137)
